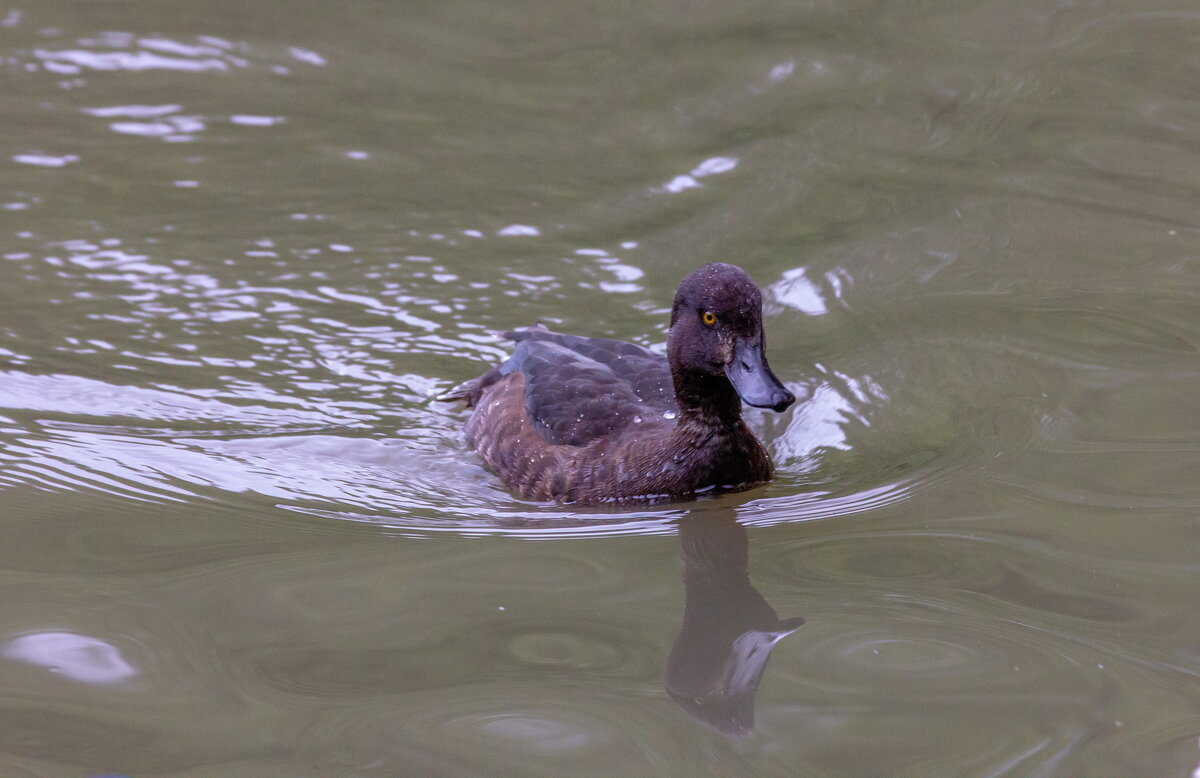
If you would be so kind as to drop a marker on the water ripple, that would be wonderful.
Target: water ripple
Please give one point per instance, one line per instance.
(168, 444)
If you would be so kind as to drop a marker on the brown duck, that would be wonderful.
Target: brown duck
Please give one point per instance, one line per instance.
(591, 420)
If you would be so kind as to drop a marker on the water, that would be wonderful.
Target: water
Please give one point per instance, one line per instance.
(244, 243)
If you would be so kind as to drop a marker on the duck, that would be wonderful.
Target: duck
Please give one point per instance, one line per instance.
(574, 419)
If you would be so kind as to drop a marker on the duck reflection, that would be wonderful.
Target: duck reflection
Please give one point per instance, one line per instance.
(728, 628)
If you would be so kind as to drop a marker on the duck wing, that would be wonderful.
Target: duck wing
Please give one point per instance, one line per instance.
(578, 389)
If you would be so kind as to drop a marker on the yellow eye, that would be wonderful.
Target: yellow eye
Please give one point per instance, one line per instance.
(710, 318)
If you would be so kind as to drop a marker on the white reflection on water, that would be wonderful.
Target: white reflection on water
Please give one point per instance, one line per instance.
(626, 276)
(816, 423)
(133, 111)
(542, 734)
(782, 71)
(128, 60)
(308, 56)
(519, 229)
(253, 120)
(39, 159)
(123, 51)
(78, 657)
(709, 167)
(795, 290)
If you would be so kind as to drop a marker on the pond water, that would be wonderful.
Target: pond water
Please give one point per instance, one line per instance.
(242, 244)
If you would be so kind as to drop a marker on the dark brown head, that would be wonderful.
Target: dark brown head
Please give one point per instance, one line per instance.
(716, 330)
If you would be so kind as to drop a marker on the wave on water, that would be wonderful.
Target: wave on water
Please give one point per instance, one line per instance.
(155, 445)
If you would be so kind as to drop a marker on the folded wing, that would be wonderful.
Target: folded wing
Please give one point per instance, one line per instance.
(578, 389)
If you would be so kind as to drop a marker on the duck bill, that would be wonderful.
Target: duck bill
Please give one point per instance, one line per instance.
(753, 380)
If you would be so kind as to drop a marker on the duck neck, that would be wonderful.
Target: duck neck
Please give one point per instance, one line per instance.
(707, 401)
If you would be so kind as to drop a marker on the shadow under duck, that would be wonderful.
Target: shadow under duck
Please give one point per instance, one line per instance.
(591, 420)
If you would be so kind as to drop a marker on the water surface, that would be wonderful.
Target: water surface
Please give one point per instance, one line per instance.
(242, 245)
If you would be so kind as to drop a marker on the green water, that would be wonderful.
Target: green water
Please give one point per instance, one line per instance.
(243, 244)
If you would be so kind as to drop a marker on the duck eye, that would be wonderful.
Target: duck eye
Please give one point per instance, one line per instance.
(710, 318)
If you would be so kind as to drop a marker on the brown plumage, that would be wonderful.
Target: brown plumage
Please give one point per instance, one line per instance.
(591, 420)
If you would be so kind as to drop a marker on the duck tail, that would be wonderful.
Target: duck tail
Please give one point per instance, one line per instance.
(468, 391)
(471, 390)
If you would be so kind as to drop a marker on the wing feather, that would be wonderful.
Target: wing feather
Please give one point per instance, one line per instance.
(579, 389)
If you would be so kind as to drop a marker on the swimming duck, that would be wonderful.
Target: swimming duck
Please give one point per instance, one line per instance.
(590, 420)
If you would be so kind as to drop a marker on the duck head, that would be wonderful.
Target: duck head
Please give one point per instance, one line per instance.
(716, 330)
